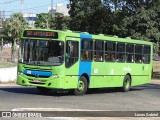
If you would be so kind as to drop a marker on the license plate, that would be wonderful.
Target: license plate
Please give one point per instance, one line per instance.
(36, 81)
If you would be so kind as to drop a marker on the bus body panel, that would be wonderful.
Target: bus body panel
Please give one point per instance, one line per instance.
(84, 66)
(101, 74)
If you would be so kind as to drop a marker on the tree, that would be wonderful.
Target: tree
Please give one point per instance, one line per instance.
(55, 21)
(60, 22)
(12, 29)
(143, 25)
(44, 20)
(90, 15)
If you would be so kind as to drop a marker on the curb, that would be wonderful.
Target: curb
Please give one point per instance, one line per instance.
(155, 81)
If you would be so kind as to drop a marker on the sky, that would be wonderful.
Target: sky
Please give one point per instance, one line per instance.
(28, 6)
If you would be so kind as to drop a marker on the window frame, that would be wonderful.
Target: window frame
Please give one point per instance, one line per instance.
(140, 61)
(84, 53)
(110, 53)
(77, 58)
(121, 52)
(100, 51)
(147, 54)
(130, 53)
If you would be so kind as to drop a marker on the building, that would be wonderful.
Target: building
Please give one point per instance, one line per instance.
(30, 18)
(60, 8)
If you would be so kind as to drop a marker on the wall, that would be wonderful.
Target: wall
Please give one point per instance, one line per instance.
(8, 74)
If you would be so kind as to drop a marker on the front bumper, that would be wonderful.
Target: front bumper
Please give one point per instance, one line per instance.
(56, 83)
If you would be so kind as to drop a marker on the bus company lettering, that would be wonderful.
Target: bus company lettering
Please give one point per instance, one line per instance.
(127, 69)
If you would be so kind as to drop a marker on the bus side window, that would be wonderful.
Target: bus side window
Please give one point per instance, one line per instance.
(110, 48)
(130, 53)
(83, 55)
(138, 53)
(71, 55)
(87, 50)
(99, 51)
(146, 54)
(120, 52)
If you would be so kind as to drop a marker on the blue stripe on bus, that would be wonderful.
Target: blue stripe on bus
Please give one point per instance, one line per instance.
(84, 66)
(37, 73)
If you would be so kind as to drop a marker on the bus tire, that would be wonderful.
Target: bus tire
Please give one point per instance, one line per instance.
(82, 86)
(43, 90)
(126, 83)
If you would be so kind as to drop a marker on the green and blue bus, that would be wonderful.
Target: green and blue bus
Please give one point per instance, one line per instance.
(53, 59)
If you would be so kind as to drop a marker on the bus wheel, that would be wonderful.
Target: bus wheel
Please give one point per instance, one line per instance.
(126, 83)
(82, 86)
(43, 89)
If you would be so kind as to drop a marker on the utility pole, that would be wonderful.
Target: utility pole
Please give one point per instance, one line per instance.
(22, 2)
(52, 8)
(2, 17)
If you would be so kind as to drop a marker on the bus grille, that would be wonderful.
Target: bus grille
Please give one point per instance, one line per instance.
(37, 73)
(37, 83)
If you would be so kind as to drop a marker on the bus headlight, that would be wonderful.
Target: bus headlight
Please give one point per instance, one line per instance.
(20, 73)
(55, 76)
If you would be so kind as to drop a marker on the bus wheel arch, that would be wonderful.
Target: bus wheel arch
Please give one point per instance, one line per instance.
(127, 81)
(82, 85)
(130, 78)
(87, 78)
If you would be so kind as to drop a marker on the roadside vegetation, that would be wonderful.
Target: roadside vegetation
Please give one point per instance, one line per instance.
(5, 64)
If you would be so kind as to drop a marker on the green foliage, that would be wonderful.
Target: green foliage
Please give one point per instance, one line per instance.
(43, 20)
(13, 26)
(143, 25)
(90, 15)
(4, 64)
(156, 48)
(60, 22)
(56, 21)
(11, 30)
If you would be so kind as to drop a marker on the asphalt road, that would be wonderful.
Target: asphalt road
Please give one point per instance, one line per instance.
(145, 97)
(141, 98)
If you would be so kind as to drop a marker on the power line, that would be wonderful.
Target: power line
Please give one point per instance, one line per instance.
(39, 6)
(33, 8)
(9, 2)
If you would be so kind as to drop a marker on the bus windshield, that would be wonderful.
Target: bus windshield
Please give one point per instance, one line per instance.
(40, 52)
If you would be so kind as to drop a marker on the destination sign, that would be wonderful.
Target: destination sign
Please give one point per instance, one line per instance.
(40, 34)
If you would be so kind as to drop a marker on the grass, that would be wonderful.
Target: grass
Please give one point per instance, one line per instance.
(9, 82)
(5, 64)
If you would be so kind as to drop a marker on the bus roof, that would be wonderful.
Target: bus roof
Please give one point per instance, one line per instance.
(98, 37)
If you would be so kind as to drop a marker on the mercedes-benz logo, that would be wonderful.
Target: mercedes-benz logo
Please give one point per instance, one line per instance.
(36, 75)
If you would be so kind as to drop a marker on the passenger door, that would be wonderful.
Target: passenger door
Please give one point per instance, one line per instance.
(71, 62)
